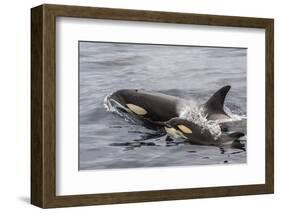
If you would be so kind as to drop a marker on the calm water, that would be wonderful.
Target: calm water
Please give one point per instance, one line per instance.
(108, 141)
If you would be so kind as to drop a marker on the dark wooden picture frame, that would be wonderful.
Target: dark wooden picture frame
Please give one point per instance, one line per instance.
(43, 105)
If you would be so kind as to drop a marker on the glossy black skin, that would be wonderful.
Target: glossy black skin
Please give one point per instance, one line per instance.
(214, 106)
(159, 107)
(198, 136)
(201, 136)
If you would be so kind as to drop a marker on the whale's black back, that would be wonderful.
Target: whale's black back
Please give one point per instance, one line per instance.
(159, 107)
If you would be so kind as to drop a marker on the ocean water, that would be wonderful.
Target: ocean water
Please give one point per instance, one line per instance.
(107, 140)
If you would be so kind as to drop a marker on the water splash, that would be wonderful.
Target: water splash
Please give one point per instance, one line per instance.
(193, 112)
(115, 107)
(234, 116)
(107, 104)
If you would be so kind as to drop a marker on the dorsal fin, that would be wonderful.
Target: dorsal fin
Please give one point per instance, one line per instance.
(236, 135)
(215, 104)
(233, 139)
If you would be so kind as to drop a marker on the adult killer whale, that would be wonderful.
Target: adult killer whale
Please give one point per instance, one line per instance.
(158, 108)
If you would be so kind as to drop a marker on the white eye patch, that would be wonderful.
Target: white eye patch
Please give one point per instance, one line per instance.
(136, 109)
(175, 133)
(184, 129)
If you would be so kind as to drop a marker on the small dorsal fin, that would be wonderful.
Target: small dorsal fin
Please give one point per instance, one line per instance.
(215, 104)
(236, 135)
(233, 139)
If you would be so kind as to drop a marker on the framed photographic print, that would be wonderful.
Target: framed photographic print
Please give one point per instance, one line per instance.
(137, 106)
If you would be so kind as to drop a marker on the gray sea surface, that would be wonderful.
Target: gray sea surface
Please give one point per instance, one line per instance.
(108, 141)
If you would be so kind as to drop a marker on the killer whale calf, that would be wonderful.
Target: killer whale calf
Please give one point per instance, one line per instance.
(195, 134)
(157, 108)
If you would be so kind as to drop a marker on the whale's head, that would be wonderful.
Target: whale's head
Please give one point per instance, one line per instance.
(122, 96)
(128, 100)
(179, 128)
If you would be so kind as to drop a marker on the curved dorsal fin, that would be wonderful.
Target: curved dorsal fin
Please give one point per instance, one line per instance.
(215, 104)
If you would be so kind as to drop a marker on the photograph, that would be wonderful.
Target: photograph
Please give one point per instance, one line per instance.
(158, 105)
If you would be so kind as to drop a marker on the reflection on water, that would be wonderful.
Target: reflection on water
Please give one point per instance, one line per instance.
(108, 140)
